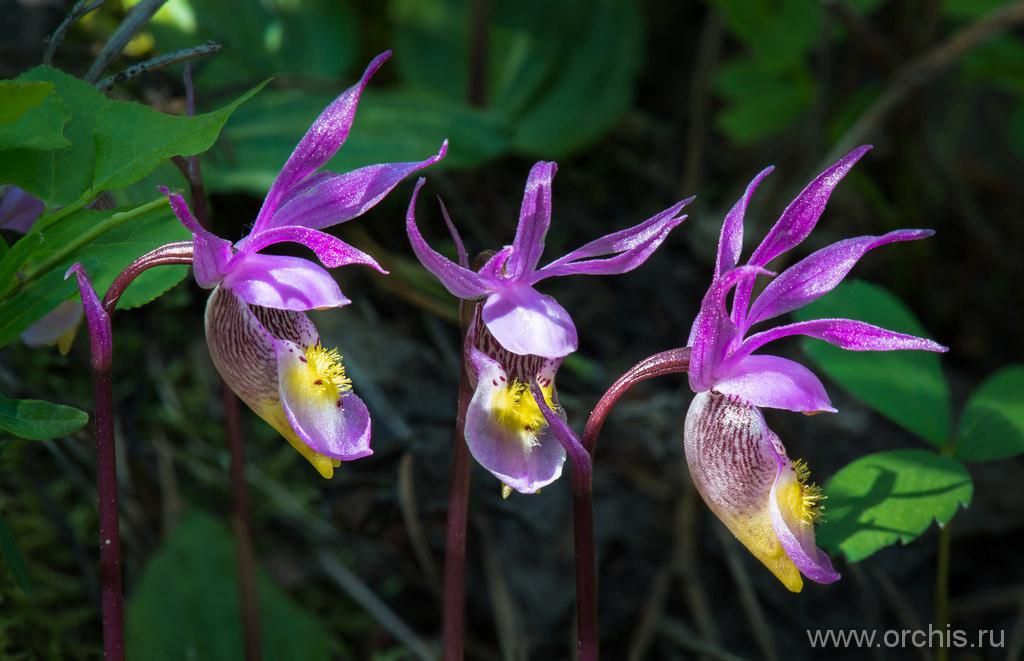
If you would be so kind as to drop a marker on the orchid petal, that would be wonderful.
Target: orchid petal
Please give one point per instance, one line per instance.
(773, 382)
(460, 248)
(242, 339)
(796, 222)
(210, 253)
(819, 273)
(629, 248)
(330, 250)
(460, 281)
(796, 534)
(733, 461)
(19, 210)
(713, 331)
(55, 325)
(525, 459)
(534, 220)
(526, 322)
(336, 198)
(323, 139)
(844, 333)
(334, 424)
(285, 283)
(730, 241)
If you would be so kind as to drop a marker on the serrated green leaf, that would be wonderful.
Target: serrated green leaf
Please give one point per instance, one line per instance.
(185, 604)
(103, 258)
(992, 426)
(15, 559)
(905, 386)
(151, 285)
(36, 420)
(60, 176)
(32, 116)
(388, 127)
(891, 497)
(132, 139)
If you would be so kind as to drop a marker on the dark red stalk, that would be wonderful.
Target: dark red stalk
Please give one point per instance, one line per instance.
(580, 453)
(454, 597)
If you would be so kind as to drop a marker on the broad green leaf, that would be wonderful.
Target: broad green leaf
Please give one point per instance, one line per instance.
(905, 386)
(61, 176)
(890, 497)
(132, 139)
(15, 559)
(151, 285)
(556, 94)
(779, 33)
(16, 98)
(992, 426)
(102, 258)
(185, 604)
(388, 127)
(759, 103)
(37, 420)
(312, 41)
(32, 116)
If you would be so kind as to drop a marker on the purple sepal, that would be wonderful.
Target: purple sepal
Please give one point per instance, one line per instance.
(335, 198)
(285, 283)
(796, 222)
(96, 318)
(330, 250)
(534, 220)
(626, 249)
(460, 281)
(210, 253)
(19, 210)
(730, 241)
(844, 333)
(714, 332)
(52, 326)
(322, 141)
(819, 273)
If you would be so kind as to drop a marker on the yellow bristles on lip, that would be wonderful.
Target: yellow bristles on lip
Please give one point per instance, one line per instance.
(810, 505)
(515, 408)
(327, 369)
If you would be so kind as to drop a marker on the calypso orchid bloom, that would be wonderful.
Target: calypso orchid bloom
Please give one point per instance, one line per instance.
(520, 336)
(19, 211)
(260, 339)
(738, 464)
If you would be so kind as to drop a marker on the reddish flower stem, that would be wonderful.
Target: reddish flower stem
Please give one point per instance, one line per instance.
(580, 453)
(112, 594)
(454, 597)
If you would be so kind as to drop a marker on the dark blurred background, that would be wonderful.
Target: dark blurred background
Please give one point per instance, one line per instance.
(641, 104)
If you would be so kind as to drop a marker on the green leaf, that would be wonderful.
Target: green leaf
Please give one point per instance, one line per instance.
(132, 139)
(61, 176)
(388, 127)
(779, 33)
(151, 285)
(15, 559)
(316, 40)
(556, 94)
(37, 420)
(905, 386)
(32, 116)
(16, 98)
(103, 258)
(992, 426)
(760, 104)
(891, 497)
(185, 604)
